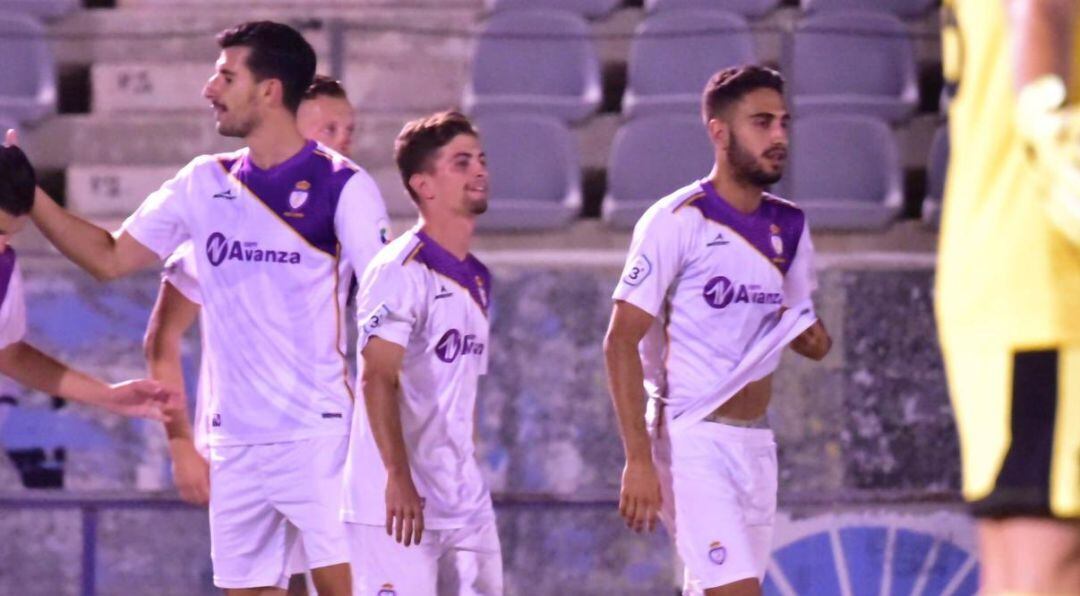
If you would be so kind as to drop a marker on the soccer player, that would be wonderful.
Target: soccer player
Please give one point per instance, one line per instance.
(22, 361)
(325, 115)
(420, 516)
(718, 280)
(1008, 284)
(276, 228)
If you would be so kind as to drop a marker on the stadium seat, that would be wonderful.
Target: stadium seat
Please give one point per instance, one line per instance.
(937, 165)
(535, 61)
(42, 9)
(844, 172)
(28, 84)
(748, 8)
(853, 62)
(587, 8)
(535, 174)
(651, 158)
(668, 69)
(900, 8)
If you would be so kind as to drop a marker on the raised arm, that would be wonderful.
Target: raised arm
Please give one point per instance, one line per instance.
(639, 499)
(36, 370)
(379, 383)
(1042, 39)
(172, 316)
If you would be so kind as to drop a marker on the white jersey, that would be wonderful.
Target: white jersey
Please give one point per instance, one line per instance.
(274, 252)
(12, 300)
(419, 296)
(713, 277)
(180, 273)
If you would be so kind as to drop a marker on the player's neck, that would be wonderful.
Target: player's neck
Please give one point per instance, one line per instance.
(452, 233)
(742, 196)
(274, 143)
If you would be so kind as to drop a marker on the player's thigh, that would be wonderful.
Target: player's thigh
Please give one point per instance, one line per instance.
(1041, 555)
(472, 562)
(307, 490)
(383, 567)
(744, 587)
(249, 538)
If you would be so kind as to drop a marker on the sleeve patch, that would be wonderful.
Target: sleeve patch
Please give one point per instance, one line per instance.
(376, 319)
(637, 271)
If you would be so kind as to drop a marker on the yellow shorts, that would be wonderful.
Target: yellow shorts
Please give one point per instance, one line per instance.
(1018, 415)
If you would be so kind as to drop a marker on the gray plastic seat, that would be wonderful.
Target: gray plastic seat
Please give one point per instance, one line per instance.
(748, 8)
(535, 61)
(651, 158)
(937, 165)
(587, 8)
(844, 172)
(853, 62)
(668, 68)
(900, 8)
(27, 84)
(42, 9)
(535, 172)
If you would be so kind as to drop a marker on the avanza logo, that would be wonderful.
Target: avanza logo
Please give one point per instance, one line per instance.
(220, 249)
(452, 344)
(721, 291)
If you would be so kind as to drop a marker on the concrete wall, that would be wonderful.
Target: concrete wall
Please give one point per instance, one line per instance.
(869, 462)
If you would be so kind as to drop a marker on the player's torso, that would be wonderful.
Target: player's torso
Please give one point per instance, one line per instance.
(732, 277)
(1003, 272)
(12, 317)
(273, 290)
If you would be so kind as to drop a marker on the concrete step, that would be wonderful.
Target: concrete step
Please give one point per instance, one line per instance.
(402, 83)
(325, 4)
(180, 33)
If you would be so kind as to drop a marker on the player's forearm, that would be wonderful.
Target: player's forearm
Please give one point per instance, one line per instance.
(1041, 38)
(85, 244)
(626, 382)
(36, 370)
(384, 414)
(163, 363)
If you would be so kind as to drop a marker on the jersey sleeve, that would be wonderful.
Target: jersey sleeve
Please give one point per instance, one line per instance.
(180, 273)
(654, 261)
(801, 278)
(13, 311)
(361, 222)
(159, 223)
(387, 304)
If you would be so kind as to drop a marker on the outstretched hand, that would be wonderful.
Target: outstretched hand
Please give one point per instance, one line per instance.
(142, 399)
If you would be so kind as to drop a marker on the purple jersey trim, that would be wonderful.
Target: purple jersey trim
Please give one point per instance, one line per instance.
(7, 270)
(774, 229)
(470, 274)
(303, 191)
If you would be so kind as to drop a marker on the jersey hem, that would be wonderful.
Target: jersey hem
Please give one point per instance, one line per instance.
(233, 441)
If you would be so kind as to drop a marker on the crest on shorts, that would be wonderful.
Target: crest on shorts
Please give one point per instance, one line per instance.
(299, 195)
(717, 553)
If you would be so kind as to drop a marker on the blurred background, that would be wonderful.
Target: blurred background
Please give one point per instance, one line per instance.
(588, 111)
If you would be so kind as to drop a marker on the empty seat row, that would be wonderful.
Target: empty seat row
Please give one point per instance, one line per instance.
(844, 170)
(747, 8)
(28, 83)
(546, 62)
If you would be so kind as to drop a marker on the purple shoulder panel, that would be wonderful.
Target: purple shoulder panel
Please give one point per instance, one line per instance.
(470, 274)
(773, 229)
(7, 269)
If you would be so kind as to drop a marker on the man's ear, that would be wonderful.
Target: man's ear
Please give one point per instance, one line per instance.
(419, 185)
(718, 132)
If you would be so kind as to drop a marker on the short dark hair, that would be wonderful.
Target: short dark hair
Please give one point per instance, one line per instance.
(17, 182)
(277, 52)
(728, 86)
(420, 139)
(324, 86)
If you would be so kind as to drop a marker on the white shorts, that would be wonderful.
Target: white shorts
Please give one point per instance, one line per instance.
(263, 498)
(718, 484)
(460, 562)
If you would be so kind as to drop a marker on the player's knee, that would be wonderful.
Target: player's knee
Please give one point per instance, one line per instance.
(743, 587)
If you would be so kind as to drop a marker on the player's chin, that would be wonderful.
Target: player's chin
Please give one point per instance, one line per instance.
(478, 207)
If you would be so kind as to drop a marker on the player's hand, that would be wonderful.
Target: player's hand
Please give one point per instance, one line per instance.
(191, 472)
(814, 343)
(1051, 131)
(639, 499)
(142, 399)
(11, 138)
(404, 509)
